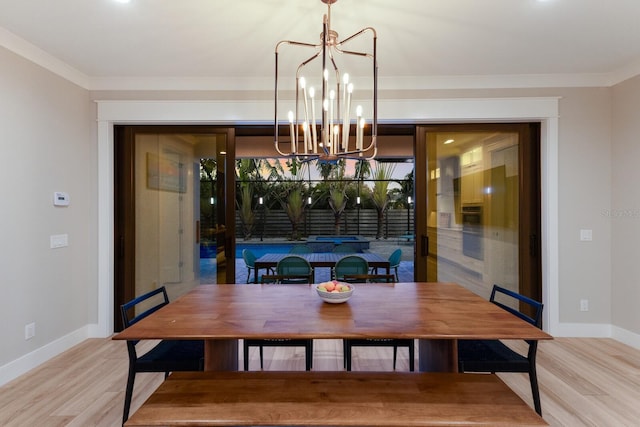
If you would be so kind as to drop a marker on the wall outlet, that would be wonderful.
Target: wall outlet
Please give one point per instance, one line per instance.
(29, 331)
(584, 305)
(586, 235)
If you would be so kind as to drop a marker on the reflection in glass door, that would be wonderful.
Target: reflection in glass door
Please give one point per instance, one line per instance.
(171, 187)
(472, 227)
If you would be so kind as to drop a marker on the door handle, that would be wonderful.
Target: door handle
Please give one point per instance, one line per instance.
(424, 243)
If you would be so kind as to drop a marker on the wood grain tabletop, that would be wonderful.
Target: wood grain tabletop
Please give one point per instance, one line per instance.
(401, 310)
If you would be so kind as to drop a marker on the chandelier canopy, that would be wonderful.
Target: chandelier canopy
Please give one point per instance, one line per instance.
(322, 124)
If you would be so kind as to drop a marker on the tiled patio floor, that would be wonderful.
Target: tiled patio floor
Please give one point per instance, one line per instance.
(405, 272)
(382, 247)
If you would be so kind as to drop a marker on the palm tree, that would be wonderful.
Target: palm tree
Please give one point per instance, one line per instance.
(292, 199)
(247, 173)
(294, 208)
(380, 196)
(338, 193)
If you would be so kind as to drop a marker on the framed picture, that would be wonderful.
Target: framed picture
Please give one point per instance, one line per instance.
(166, 174)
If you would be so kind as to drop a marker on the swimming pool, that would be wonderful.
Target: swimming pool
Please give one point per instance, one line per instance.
(260, 249)
(327, 243)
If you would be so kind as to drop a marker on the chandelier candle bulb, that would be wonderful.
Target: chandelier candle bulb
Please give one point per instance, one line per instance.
(314, 135)
(293, 132)
(358, 134)
(361, 135)
(347, 119)
(305, 133)
(332, 99)
(325, 129)
(345, 115)
(303, 86)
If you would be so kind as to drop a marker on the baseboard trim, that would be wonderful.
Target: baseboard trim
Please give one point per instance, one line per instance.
(583, 330)
(626, 337)
(24, 364)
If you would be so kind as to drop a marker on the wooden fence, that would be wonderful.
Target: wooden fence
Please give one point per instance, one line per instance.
(363, 222)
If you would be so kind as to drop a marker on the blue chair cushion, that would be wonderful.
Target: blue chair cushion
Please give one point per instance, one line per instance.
(170, 355)
(490, 356)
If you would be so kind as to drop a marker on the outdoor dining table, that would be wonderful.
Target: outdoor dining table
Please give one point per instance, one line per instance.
(437, 314)
(319, 259)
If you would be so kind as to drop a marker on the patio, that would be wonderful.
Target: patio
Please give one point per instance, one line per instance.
(381, 247)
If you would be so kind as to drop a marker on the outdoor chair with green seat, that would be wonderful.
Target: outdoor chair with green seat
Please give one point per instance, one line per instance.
(344, 248)
(300, 249)
(292, 269)
(250, 261)
(349, 265)
(394, 263)
(294, 265)
(348, 344)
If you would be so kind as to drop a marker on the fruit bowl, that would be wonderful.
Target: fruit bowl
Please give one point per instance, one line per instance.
(334, 292)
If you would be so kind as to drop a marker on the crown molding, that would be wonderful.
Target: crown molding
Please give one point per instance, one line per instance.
(38, 56)
(625, 73)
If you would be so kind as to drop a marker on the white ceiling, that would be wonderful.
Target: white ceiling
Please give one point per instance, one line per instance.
(223, 44)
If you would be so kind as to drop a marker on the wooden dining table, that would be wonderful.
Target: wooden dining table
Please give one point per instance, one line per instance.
(320, 259)
(437, 314)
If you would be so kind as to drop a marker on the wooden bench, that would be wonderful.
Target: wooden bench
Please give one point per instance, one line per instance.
(321, 398)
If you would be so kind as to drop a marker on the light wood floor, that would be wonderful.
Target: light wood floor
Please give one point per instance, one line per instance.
(583, 382)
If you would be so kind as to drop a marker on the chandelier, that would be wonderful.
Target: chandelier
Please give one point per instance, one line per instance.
(320, 125)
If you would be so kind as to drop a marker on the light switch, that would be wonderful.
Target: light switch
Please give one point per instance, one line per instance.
(59, 241)
(60, 198)
(586, 235)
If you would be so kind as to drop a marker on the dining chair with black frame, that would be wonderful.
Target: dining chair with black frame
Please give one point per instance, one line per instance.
(292, 269)
(494, 355)
(348, 344)
(167, 356)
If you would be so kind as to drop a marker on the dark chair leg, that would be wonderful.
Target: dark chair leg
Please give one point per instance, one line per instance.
(261, 359)
(127, 395)
(246, 357)
(395, 356)
(309, 356)
(411, 358)
(535, 392)
(344, 354)
(347, 356)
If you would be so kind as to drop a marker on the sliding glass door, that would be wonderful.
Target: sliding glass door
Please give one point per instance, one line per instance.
(478, 216)
(174, 209)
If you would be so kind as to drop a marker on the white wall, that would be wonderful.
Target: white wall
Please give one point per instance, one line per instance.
(624, 216)
(47, 144)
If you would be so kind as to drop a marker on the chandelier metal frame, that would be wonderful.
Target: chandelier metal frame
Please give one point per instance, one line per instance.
(331, 141)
